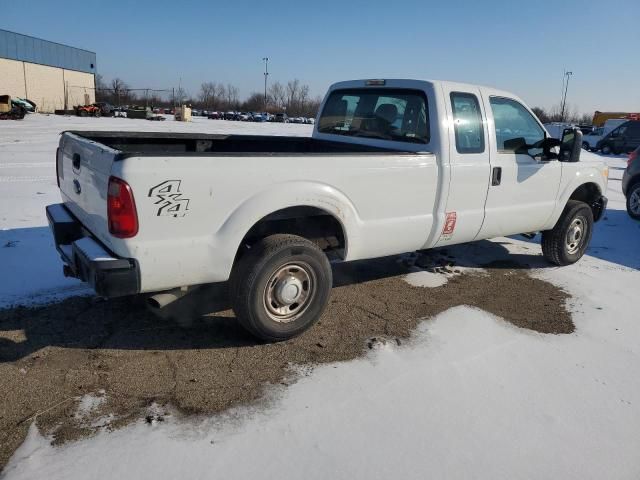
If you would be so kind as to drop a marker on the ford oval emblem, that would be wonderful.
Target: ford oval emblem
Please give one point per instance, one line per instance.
(76, 186)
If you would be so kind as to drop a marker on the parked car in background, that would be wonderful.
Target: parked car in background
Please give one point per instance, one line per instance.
(281, 118)
(590, 140)
(243, 117)
(631, 184)
(622, 139)
(586, 129)
(26, 104)
(229, 115)
(215, 115)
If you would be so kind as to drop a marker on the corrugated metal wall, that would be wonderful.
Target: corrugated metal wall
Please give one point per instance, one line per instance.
(16, 46)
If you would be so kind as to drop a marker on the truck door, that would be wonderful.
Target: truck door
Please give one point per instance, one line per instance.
(469, 164)
(523, 188)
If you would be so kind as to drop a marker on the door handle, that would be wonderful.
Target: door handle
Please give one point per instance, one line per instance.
(496, 176)
(75, 162)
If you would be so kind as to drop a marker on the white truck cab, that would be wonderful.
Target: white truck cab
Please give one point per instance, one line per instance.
(393, 166)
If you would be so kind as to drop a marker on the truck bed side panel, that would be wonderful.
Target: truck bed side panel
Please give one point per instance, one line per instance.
(194, 212)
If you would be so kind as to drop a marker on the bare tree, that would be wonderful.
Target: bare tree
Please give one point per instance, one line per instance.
(541, 113)
(277, 96)
(254, 103)
(181, 96)
(232, 96)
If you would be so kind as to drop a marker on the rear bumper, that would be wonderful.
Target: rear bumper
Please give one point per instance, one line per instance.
(87, 259)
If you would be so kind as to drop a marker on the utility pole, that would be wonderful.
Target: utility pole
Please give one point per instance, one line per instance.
(565, 84)
(266, 75)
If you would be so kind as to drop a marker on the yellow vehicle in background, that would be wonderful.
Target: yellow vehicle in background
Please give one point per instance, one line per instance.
(600, 117)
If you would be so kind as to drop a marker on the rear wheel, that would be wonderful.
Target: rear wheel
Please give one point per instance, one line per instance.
(97, 113)
(280, 287)
(567, 241)
(633, 201)
(585, 145)
(606, 149)
(83, 113)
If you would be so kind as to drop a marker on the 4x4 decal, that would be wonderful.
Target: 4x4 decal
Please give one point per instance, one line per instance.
(169, 199)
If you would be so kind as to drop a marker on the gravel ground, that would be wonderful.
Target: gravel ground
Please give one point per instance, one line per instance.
(121, 359)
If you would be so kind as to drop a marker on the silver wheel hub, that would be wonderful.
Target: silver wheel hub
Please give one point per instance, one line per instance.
(289, 292)
(634, 201)
(575, 235)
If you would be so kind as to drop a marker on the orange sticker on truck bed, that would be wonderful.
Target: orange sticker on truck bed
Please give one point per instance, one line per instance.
(449, 224)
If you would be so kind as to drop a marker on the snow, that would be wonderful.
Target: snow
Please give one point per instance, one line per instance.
(28, 184)
(470, 396)
(88, 403)
(426, 279)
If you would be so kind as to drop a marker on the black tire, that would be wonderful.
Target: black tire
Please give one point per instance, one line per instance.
(606, 149)
(557, 245)
(83, 113)
(633, 197)
(257, 280)
(585, 146)
(97, 114)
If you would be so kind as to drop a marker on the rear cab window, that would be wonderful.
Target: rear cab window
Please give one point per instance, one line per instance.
(467, 123)
(387, 114)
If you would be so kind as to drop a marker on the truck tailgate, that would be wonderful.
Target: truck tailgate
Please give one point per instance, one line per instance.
(84, 167)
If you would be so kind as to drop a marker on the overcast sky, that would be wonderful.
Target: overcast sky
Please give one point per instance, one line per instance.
(522, 47)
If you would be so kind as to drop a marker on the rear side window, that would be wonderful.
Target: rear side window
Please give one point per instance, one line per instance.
(386, 114)
(467, 123)
(515, 126)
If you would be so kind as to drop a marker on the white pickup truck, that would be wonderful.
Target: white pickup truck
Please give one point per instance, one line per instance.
(393, 166)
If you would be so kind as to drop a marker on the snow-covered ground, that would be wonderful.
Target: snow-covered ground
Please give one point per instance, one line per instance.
(470, 396)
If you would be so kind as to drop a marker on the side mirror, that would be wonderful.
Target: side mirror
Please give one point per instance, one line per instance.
(570, 145)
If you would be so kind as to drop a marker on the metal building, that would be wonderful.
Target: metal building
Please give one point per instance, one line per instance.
(52, 75)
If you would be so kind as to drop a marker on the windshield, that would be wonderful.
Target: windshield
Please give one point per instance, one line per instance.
(386, 114)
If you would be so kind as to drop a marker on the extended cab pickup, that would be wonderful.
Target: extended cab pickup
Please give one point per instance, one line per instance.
(393, 166)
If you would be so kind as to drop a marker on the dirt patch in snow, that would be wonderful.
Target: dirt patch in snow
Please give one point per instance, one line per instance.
(54, 359)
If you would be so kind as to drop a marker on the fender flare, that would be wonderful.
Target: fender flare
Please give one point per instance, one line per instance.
(589, 176)
(284, 195)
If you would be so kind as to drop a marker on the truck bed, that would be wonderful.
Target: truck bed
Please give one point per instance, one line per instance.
(164, 143)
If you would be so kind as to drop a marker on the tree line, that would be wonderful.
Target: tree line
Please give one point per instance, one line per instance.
(555, 114)
(294, 97)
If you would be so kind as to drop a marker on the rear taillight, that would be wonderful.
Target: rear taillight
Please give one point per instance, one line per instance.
(632, 156)
(121, 209)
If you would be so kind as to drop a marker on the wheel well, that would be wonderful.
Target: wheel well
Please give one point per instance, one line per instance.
(589, 193)
(312, 223)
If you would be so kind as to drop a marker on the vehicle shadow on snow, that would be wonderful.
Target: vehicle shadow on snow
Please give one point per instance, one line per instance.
(615, 239)
(203, 319)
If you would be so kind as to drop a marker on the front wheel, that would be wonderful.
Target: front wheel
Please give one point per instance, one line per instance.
(567, 241)
(585, 146)
(606, 149)
(633, 201)
(280, 287)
